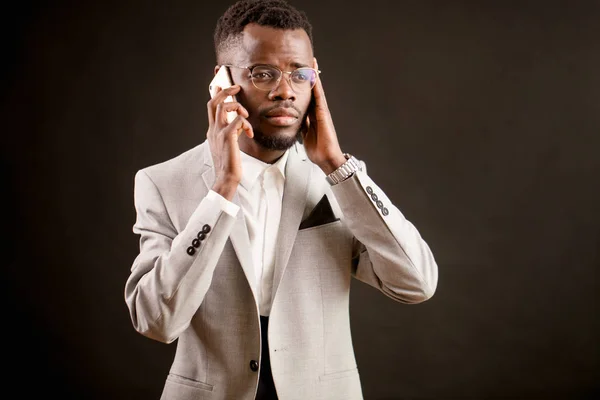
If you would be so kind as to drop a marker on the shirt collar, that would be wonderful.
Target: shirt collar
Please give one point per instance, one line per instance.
(252, 168)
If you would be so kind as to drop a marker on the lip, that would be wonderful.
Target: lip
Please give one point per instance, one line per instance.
(282, 116)
(282, 112)
(282, 120)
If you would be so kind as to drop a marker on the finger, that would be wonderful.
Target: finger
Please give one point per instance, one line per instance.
(239, 125)
(305, 127)
(307, 123)
(219, 98)
(223, 108)
(318, 92)
(223, 93)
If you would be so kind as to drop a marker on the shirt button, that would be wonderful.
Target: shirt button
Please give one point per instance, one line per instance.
(254, 365)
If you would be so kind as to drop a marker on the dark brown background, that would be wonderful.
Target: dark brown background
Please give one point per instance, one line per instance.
(479, 119)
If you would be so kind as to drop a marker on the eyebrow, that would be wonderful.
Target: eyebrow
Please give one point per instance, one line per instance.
(295, 65)
(299, 65)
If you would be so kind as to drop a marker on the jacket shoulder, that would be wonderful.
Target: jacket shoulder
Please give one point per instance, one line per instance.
(191, 161)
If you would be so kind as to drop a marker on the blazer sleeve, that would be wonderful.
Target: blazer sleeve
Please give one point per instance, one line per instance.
(170, 276)
(389, 253)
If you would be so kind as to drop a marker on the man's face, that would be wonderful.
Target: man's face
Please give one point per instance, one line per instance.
(288, 50)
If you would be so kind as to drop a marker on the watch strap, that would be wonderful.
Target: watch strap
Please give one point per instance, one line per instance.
(344, 171)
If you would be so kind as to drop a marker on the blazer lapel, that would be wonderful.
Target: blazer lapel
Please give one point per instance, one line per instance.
(239, 233)
(241, 244)
(297, 176)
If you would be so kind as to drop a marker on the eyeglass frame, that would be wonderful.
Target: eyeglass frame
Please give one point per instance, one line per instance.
(280, 76)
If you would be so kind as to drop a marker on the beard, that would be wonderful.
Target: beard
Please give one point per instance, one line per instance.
(276, 142)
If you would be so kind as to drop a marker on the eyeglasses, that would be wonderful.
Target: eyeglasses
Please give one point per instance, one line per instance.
(267, 77)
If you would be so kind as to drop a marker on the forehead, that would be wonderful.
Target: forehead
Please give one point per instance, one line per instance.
(282, 47)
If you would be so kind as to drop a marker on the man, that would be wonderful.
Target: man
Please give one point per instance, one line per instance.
(249, 240)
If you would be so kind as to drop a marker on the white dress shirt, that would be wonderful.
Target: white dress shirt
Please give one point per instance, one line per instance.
(261, 195)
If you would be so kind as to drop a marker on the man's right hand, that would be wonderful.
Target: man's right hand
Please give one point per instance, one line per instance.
(223, 140)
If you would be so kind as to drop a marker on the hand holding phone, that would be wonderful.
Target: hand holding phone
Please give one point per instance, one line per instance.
(223, 80)
(223, 133)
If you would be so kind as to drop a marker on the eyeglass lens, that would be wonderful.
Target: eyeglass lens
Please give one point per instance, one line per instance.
(266, 78)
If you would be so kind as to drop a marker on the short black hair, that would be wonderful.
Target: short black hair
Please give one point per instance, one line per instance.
(272, 13)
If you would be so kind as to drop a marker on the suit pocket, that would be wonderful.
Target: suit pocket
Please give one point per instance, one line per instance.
(181, 380)
(339, 375)
(320, 226)
(321, 214)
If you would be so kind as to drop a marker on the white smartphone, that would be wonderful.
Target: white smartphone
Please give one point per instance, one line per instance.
(223, 80)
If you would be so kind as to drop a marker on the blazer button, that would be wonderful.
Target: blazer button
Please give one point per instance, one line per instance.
(201, 235)
(379, 203)
(385, 211)
(205, 228)
(254, 365)
(196, 243)
(374, 197)
(369, 190)
(191, 250)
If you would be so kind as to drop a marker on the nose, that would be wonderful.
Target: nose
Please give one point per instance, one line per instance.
(283, 90)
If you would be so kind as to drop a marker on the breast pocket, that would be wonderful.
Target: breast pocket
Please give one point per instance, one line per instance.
(327, 246)
(316, 249)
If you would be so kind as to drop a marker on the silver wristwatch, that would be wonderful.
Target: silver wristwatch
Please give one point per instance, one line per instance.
(344, 171)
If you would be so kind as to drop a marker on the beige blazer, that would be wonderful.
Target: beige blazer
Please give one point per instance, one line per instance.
(205, 298)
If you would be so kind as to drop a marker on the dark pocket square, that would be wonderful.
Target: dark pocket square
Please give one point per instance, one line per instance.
(320, 215)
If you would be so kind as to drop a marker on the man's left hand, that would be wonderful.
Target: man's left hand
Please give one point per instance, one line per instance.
(320, 140)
